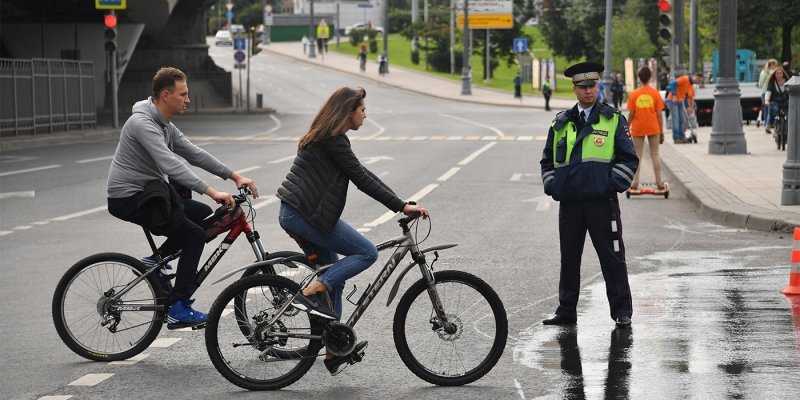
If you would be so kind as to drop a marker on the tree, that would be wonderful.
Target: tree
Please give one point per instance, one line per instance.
(569, 27)
(629, 37)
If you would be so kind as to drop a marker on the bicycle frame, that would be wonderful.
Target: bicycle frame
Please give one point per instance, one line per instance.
(238, 227)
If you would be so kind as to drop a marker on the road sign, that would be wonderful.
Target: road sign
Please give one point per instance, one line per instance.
(364, 5)
(520, 45)
(239, 56)
(229, 15)
(239, 43)
(487, 14)
(110, 4)
(239, 66)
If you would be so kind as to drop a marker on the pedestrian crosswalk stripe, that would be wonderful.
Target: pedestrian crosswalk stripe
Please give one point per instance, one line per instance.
(418, 138)
(90, 379)
(164, 342)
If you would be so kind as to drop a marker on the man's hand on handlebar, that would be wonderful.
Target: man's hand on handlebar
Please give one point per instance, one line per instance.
(242, 181)
(221, 197)
(413, 209)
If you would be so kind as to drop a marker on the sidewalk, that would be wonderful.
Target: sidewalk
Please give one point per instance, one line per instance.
(739, 190)
(415, 81)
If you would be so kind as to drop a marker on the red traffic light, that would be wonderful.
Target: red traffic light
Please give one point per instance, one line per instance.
(110, 21)
(664, 5)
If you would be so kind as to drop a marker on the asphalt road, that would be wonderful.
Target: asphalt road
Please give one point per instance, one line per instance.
(476, 168)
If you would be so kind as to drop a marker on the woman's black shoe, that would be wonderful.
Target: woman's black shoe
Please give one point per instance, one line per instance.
(336, 364)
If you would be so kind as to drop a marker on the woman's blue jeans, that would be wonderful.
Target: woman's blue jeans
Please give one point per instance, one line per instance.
(359, 253)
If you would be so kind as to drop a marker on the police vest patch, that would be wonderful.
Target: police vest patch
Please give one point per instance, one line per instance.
(599, 141)
(599, 132)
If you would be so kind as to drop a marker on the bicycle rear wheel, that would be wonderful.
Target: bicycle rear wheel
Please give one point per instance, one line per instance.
(82, 314)
(266, 361)
(473, 345)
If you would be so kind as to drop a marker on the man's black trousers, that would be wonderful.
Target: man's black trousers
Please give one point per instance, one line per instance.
(185, 234)
(601, 219)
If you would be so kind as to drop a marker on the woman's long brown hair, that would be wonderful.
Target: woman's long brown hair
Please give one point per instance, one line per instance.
(334, 117)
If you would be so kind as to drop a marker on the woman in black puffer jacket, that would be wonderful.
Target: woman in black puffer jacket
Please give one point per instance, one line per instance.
(313, 196)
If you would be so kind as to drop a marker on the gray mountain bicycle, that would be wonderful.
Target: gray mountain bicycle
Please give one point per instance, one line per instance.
(450, 327)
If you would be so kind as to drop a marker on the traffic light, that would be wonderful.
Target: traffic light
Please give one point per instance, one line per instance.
(255, 40)
(110, 21)
(665, 20)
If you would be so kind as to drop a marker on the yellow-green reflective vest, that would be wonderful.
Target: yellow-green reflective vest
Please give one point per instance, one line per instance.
(597, 146)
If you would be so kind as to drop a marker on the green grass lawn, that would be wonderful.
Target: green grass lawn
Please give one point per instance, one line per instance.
(503, 78)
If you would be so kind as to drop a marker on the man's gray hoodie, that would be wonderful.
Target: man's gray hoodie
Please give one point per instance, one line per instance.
(148, 149)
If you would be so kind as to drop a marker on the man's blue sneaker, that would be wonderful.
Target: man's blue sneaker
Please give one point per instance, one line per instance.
(181, 315)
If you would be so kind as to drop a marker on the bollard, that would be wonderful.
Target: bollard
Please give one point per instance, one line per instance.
(259, 100)
(790, 195)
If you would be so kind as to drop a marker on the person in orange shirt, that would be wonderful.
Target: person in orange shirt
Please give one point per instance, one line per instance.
(683, 97)
(645, 106)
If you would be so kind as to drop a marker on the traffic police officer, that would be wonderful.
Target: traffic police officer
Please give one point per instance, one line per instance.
(587, 160)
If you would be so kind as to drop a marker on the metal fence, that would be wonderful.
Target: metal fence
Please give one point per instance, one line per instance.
(46, 95)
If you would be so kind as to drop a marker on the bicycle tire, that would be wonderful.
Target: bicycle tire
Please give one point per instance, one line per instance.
(240, 308)
(401, 339)
(66, 283)
(224, 366)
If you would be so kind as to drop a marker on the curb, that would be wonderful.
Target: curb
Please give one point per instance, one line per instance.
(717, 203)
(422, 92)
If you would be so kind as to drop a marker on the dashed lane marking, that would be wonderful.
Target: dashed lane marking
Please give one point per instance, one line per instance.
(248, 169)
(282, 159)
(449, 174)
(269, 200)
(22, 171)
(476, 154)
(162, 343)
(24, 194)
(90, 379)
(56, 397)
(79, 214)
(88, 160)
(498, 132)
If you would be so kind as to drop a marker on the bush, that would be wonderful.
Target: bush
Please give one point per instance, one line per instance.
(415, 57)
(439, 59)
(357, 36)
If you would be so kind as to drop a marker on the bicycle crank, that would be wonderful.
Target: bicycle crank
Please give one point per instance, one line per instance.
(340, 339)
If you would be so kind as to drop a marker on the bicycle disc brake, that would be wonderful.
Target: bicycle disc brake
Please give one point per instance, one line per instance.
(339, 338)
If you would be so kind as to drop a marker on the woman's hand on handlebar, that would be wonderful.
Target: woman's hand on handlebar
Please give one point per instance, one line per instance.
(242, 181)
(413, 210)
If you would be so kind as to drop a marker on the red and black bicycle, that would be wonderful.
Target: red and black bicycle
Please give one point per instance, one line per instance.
(110, 306)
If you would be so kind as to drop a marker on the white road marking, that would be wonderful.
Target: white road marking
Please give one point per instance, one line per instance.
(41, 222)
(226, 312)
(57, 397)
(373, 160)
(383, 218)
(248, 169)
(131, 361)
(423, 192)
(455, 138)
(498, 132)
(544, 203)
(447, 175)
(476, 154)
(541, 138)
(518, 176)
(163, 343)
(90, 379)
(23, 194)
(3, 233)
(381, 129)
(363, 230)
(515, 177)
(88, 160)
(79, 214)
(277, 126)
(22, 171)
(22, 227)
(418, 138)
(516, 383)
(269, 200)
(283, 159)
(524, 137)
(488, 138)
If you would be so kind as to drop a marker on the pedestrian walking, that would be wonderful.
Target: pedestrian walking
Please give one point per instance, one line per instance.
(383, 66)
(362, 57)
(323, 34)
(680, 94)
(617, 91)
(547, 92)
(518, 87)
(589, 158)
(763, 79)
(644, 113)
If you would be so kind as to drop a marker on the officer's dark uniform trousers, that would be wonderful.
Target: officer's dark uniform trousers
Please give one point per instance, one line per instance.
(601, 218)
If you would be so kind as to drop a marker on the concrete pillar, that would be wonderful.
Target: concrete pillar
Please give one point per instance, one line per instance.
(466, 74)
(727, 136)
(790, 194)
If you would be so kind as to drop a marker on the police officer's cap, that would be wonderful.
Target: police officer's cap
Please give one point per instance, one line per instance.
(584, 74)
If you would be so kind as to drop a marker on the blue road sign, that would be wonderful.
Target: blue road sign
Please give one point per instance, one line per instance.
(239, 56)
(239, 43)
(520, 45)
(229, 14)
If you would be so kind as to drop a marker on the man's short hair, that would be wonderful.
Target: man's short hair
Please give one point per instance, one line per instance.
(645, 74)
(165, 78)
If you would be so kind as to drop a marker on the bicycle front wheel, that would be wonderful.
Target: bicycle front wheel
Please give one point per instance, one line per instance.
(84, 315)
(463, 349)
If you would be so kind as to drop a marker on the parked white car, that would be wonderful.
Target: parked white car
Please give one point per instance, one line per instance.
(223, 38)
(360, 25)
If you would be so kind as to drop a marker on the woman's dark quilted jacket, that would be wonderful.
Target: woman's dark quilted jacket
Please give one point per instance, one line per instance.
(316, 185)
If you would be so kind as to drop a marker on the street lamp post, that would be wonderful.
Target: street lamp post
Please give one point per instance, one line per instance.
(386, 34)
(311, 39)
(727, 136)
(466, 83)
(607, 49)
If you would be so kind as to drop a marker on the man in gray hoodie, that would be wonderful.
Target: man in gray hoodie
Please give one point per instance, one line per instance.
(148, 150)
